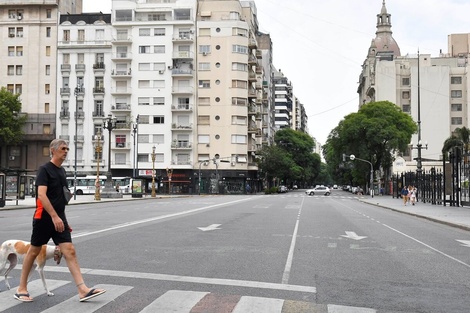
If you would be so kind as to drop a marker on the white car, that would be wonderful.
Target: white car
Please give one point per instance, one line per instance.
(322, 190)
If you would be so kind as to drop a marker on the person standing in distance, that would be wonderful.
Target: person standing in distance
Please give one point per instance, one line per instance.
(49, 221)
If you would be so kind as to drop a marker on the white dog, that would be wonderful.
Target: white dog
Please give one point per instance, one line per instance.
(12, 250)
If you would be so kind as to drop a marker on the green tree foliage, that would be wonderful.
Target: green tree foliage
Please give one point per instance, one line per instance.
(460, 138)
(375, 133)
(291, 158)
(11, 124)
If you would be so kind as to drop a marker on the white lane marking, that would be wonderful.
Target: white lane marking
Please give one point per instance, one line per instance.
(186, 279)
(258, 305)
(35, 289)
(428, 246)
(290, 255)
(153, 219)
(348, 309)
(175, 301)
(73, 305)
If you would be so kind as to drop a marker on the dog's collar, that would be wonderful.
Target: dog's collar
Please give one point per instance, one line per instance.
(57, 254)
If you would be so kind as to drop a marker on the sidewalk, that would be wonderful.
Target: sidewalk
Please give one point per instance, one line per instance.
(449, 215)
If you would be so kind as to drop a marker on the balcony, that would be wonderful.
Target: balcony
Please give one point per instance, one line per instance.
(98, 90)
(181, 145)
(120, 56)
(122, 145)
(99, 67)
(121, 91)
(182, 72)
(181, 107)
(183, 55)
(123, 125)
(182, 90)
(65, 68)
(181, 162)
(99, 114)
(183, 38)
(79, 114)
(65, 91)
(252, 60)
(121, 73)
(64, 114)
(252, 44)
(121, 107)
(80, 69)
(122, 39)
(259, 54)
(180, 127)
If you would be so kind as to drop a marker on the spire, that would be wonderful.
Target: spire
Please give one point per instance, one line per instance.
(384, 39)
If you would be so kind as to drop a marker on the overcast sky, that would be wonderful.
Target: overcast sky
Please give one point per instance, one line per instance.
(320, 45)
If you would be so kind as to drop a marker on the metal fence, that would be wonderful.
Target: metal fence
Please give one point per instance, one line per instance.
(429, 185)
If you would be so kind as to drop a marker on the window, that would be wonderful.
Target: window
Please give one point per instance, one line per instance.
(66, 58)
(239, 67)
(144, 49)
(159, 158)
(456, 93)
(122, 34)
(19, 51)
(159, 32)
(156, 17)
(159, 120)
(239, 139)
(48, 70)
(144, 101)
(203, 120)
(120, 141)
(19, 32)
(238, 120)
(204, 49)
(204, 84)
(48, 15)
(144, 32)
(11, 88)
(12, 14)
(144, 66)
(47, 89)
(240, 49)
(19, 70)
(456, 121)
(159, 138)
(48, 32)
(11, 51)
(405, 81)
(456, 80)
(99, 111)
(11, 70)
(66, 35)
(11, 32)
(405, 95)
(204, 66)
(143, 119)
(158, 101)
(239, 84)
(46, 107)
(239, 101)
(144, 83)
(456, 107)
(159, 66)
(81, 35)
(406, 108)
(19, 88)
(236, 31)
(48, 51)
(46, 129)
(204, 101)
(203, 139)
(159, 49)
(99, 34)
(120, 158)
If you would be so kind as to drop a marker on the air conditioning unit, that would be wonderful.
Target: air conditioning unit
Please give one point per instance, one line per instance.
(161, 71)
(170, 67)
(11, 158)
(233, 163)
(20, 17)
(204, 53)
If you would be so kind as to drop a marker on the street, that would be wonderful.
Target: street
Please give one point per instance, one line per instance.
(251, 253)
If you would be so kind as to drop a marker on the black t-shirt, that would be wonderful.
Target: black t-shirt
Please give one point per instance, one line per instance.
(55, 179)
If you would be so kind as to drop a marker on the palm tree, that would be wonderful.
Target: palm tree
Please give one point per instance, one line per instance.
(461, 139)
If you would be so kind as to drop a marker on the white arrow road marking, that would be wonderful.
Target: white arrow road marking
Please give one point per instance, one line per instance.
(353, 235)
(465, 243)
(210, 227)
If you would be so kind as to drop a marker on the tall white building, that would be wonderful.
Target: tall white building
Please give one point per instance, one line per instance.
(436, 85)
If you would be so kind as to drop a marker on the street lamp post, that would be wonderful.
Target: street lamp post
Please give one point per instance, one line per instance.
(169, 173)
(353, 157)
(77, 90)
(205, 162)
(153, 172)
(135, 130)
(109, 123)
(98, 155)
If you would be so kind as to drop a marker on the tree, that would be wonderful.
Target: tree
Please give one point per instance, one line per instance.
(11, 125)
(375, 133)
(461, 138)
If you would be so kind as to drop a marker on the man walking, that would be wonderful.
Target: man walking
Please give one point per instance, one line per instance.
(49, 221)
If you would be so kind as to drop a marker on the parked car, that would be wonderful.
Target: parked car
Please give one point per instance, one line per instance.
(282, 189)
(295, 187)
(322, 190)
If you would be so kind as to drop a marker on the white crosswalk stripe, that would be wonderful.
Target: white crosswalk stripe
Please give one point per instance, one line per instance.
(175, 301)
(72, 305)
(35, 289)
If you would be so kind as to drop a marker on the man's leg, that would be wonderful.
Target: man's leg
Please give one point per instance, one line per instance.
(69, 253)
(28, 261)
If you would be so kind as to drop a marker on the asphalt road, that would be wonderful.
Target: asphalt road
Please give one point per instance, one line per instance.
(264, 253)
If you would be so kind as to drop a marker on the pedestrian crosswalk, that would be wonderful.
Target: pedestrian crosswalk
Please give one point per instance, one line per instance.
(175, 301)
(332, 196)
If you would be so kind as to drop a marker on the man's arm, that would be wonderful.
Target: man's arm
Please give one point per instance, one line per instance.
(42, 196)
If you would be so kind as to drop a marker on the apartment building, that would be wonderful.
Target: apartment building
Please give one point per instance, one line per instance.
(283, 101)
(84, 75)
(28, 61)
(436, 85)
